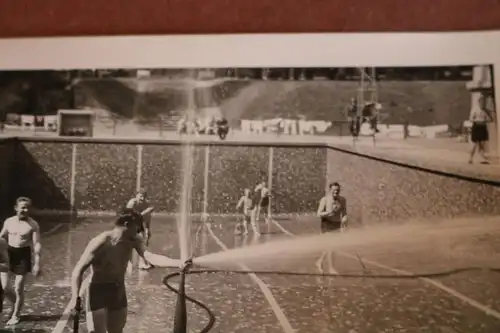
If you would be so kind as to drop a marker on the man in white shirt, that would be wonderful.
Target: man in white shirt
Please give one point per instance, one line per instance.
(480, 117)
(23, 248)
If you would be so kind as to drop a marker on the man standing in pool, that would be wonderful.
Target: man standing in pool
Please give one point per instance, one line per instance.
(141, 206)
(247, 204)
(332, 211)
(108, 254)
(23, 248)
(261, 202)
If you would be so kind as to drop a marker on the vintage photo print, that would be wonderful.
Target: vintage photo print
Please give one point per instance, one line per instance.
(250, 183)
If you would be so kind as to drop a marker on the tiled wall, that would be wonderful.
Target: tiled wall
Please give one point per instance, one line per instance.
(106, 175)
(377, 191)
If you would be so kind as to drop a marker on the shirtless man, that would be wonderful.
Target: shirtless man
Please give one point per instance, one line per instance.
(107, 255)
(141, 205)
(261, 202)
(245, 203)
(24, 247)
(333, 213)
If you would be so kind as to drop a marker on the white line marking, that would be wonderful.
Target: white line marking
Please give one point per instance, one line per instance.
(53, 230)
(63, 321)
(285, 324)
(57, 284)
(283, 229)
(484, 308)
(333, 270)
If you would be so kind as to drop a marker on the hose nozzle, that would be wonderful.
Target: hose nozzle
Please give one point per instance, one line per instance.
(187, 265)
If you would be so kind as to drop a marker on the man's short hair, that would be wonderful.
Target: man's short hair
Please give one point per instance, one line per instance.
(23, 199)
(128, 215)
(334, 184)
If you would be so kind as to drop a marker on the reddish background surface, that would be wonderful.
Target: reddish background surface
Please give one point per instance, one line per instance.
(112, 17)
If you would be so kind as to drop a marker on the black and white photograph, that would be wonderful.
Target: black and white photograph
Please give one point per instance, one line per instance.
(250, 188)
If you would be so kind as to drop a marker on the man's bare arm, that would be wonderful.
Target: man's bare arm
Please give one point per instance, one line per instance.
(37, 244)
(84, 262)
(147, 211)
(157, 260)
(240, 202)
(3, 232)
(146, 223)
(146, 214)
(321, 208)
(4, 256)
(344, 211)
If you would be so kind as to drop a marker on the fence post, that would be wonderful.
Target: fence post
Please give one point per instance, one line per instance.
(138, 183)
(270, 179)
(205, 182)
(73, 177)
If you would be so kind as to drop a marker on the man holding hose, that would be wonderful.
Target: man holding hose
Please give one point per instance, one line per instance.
(108, 254)
(333, 213)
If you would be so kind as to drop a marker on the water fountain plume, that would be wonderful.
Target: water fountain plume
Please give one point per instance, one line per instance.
(184, 220)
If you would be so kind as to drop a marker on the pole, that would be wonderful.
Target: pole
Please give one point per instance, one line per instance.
(73, 176)
(270, 179)
(72, 212)
(491, 69)
(205, 182)
(139, 168)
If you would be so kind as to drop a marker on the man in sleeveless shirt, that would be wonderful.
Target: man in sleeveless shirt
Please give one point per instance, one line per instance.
(23, 248)
(107, 255)
(141, 205)
(332, 211)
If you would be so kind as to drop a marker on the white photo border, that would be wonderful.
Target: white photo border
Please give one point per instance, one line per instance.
(252, 50)
(255, 50)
